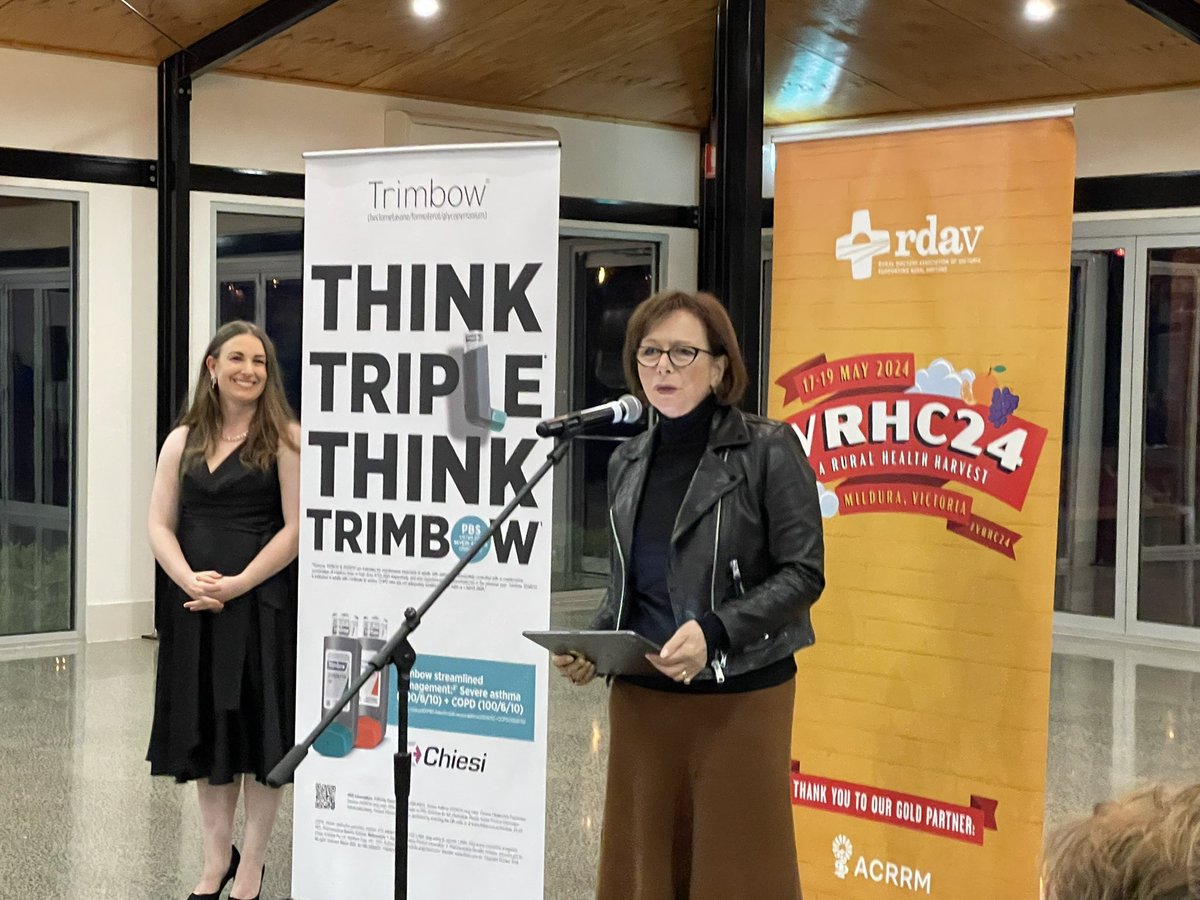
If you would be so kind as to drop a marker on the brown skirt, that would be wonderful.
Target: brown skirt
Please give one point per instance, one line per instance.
(698, 802)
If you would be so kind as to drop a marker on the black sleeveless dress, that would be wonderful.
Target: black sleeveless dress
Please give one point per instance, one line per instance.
(224, 701)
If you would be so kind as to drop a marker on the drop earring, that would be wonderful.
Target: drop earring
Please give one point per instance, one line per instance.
(213, 381)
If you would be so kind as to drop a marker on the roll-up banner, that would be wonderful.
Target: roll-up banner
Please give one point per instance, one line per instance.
(430, 293)
(918, 346)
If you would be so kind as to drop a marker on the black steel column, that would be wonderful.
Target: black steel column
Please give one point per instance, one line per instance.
(174, 237)
(175, 77)
(174, 247)
(731, 197)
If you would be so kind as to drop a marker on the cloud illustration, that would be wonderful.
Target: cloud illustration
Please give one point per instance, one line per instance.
(942, 379)
(828, 500)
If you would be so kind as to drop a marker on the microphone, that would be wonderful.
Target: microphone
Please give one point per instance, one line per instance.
(623, 410)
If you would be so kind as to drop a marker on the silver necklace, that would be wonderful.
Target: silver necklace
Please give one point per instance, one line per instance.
(234, 438)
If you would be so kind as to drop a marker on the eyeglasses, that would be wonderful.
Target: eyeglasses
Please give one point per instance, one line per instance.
(680, 355)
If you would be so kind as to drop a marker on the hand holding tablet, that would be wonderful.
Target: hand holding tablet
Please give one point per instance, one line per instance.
(612, 652)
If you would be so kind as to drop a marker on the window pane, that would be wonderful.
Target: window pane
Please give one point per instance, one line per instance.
(236, 301)
(57, 414)
(285, 326)
(1087, 522)
(1167, 591)
(255, 250)
(1166, 727)
(38, 320)
(35, 581)
(21, 343)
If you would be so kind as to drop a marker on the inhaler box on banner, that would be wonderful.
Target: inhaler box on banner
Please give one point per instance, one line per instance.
(364, 721)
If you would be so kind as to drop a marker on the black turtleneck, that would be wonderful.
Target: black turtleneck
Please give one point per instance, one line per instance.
(678, 446)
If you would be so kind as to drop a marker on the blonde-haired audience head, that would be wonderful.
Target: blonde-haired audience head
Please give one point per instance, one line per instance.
(1145, 846)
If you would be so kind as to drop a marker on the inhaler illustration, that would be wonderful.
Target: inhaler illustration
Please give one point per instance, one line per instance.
(477, 397)
(341, 660)
(373, 699)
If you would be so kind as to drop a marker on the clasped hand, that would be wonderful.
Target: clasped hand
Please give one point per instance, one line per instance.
(210, 591)
(684, 655)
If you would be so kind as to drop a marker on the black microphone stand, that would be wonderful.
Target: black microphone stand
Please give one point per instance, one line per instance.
(399, 652)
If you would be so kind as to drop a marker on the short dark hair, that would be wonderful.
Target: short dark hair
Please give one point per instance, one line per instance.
(722, 340)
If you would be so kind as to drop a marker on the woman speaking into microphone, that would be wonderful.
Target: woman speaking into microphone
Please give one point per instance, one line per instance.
(717, 555)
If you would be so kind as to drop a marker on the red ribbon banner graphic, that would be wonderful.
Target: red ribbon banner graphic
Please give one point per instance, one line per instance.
(989, 534)
(819, 378)
(925, 497)
(899, 496)
(948, 820)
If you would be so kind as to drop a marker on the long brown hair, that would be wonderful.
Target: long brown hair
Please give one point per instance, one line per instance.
(271, 419)
(722, 339)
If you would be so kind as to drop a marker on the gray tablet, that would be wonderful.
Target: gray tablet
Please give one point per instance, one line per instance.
(613, 652)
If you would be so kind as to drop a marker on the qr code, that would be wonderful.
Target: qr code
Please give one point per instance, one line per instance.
(326, 796)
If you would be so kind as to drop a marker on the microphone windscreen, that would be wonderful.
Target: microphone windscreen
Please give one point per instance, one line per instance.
(631, 409)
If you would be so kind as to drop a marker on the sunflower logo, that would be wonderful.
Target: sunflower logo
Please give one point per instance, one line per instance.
(842, 851)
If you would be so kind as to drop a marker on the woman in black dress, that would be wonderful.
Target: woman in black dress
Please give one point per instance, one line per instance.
(224, 526)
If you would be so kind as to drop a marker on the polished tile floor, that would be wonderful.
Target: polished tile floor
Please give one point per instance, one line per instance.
(82, 818)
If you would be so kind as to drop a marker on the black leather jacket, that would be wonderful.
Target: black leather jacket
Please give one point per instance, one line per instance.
(753, 501)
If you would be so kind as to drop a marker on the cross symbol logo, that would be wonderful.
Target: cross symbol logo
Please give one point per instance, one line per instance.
(861, 254)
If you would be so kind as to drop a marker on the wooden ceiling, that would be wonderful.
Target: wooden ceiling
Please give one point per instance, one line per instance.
(847, 58)
(651, 60)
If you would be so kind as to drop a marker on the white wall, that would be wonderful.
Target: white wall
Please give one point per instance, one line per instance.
(1143, 133)
(245, 122)
(67, 104)
(74, 105)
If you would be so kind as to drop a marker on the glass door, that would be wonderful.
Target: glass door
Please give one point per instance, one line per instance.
(1167, 376)
(601, 282)
(37, 423)
(1128, 548)
(1090, 560)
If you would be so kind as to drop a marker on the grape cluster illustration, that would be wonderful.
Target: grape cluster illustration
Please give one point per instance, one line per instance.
(1004, 404)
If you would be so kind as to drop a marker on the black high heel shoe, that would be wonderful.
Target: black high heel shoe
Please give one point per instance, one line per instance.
(261, 879)
(234, 859)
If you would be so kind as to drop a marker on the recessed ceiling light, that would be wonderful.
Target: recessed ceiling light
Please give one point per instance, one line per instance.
(426, 8)
(1039, 10)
